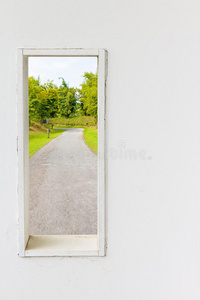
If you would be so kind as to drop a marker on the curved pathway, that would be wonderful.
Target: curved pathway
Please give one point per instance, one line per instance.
(63, 187)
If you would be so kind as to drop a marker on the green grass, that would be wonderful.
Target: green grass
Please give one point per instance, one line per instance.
(37, 139)
(38, 135)
(76, 121)
(91, 138)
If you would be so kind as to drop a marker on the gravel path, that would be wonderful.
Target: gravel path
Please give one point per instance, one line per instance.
(63, 187)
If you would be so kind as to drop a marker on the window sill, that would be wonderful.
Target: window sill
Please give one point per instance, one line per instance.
(62, 245)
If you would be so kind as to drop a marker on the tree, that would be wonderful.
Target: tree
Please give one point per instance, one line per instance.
(35, 99)
(51, 101)
(67, 100)
(52, 96)
(88, 95)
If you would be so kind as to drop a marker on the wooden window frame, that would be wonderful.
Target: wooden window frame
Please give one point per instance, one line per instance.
(58, 245)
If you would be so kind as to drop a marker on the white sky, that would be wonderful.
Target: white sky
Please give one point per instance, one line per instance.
(71, 69)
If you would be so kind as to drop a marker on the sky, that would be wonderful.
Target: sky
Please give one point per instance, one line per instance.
(71, 69)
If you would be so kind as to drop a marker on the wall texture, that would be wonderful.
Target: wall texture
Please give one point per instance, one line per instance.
(153, 149)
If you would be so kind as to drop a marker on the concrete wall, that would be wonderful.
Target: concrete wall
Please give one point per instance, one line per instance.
(153, 104)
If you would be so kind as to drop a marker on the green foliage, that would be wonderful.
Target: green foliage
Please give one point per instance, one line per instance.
(35, 99)
(88, 95)
(67, 100)
(75, 121)
(49, 101)
(63, 82)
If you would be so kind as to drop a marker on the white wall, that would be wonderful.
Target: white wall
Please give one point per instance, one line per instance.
(153, 103)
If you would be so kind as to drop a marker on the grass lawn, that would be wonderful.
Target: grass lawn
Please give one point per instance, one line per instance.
(91, 138)
(38, 138)
(38, 135)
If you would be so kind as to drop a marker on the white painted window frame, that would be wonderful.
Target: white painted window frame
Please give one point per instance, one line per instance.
(58, 245)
